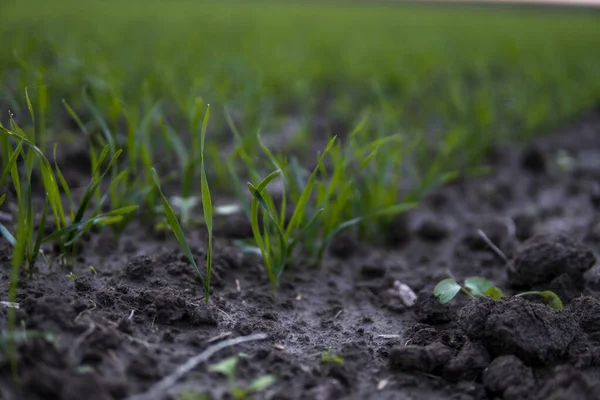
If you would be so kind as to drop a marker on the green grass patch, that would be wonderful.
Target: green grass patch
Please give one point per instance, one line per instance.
(414, 96)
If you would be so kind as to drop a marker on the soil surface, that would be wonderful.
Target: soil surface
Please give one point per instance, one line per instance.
(117, 332)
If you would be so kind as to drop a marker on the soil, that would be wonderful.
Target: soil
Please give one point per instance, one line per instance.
(118, 331)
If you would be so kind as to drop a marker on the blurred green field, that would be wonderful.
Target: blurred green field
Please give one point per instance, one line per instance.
(448, 81)
(501, 71)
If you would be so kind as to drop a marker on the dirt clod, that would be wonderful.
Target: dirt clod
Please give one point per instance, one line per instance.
(468, 364)
(587, 311)
(140, 267)
(545, 257)
(568, 383)
(425, 359)
(508, 377)
(429, 309)
(532, 331)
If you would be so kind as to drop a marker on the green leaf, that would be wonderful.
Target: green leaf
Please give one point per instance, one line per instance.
(261, 383)
(207, 207)
(65, 186)
(494, 293)
(174, 224)
(552, 299)
(446, 290)
(29, 106)
(549, 297)
(108, 220)
(478, 286)
(76, 118)
(225, 367)
(329, 357)
(95, 182)
(277, 268)
(298, 214)
(263, 244)
(12, 161)
(98, 117)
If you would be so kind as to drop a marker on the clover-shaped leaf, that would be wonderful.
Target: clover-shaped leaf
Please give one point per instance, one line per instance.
(478, 286)
(446, 290)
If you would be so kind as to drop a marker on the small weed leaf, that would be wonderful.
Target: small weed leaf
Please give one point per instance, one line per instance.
(446, 290)
(328, 357)
(261, 383)
(478, 286)
(552, 299)
(225, 367)
(549, 297)
(12, 161)
(493, 293)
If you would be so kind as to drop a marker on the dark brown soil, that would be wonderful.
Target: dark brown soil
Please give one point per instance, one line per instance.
(117, 332)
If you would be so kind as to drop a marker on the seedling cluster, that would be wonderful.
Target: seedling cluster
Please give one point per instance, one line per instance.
(227, 367)
(448, 289)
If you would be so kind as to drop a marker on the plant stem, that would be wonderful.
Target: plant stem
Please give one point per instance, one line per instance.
(465, 291)
(536, 292)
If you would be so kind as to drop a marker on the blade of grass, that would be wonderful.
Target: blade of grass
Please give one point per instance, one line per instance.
(206, 205)
(94, 183)
(258, 237)
(98, 117)
(38, 240)
(65, 186)
(298, 214)
(175, 227)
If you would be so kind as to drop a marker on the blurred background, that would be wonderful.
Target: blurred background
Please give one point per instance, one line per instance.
(473, 74)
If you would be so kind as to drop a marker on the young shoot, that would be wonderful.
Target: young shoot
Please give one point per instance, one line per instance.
(278, 236)
(227, 368)
(447, 289)
(328, 357)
